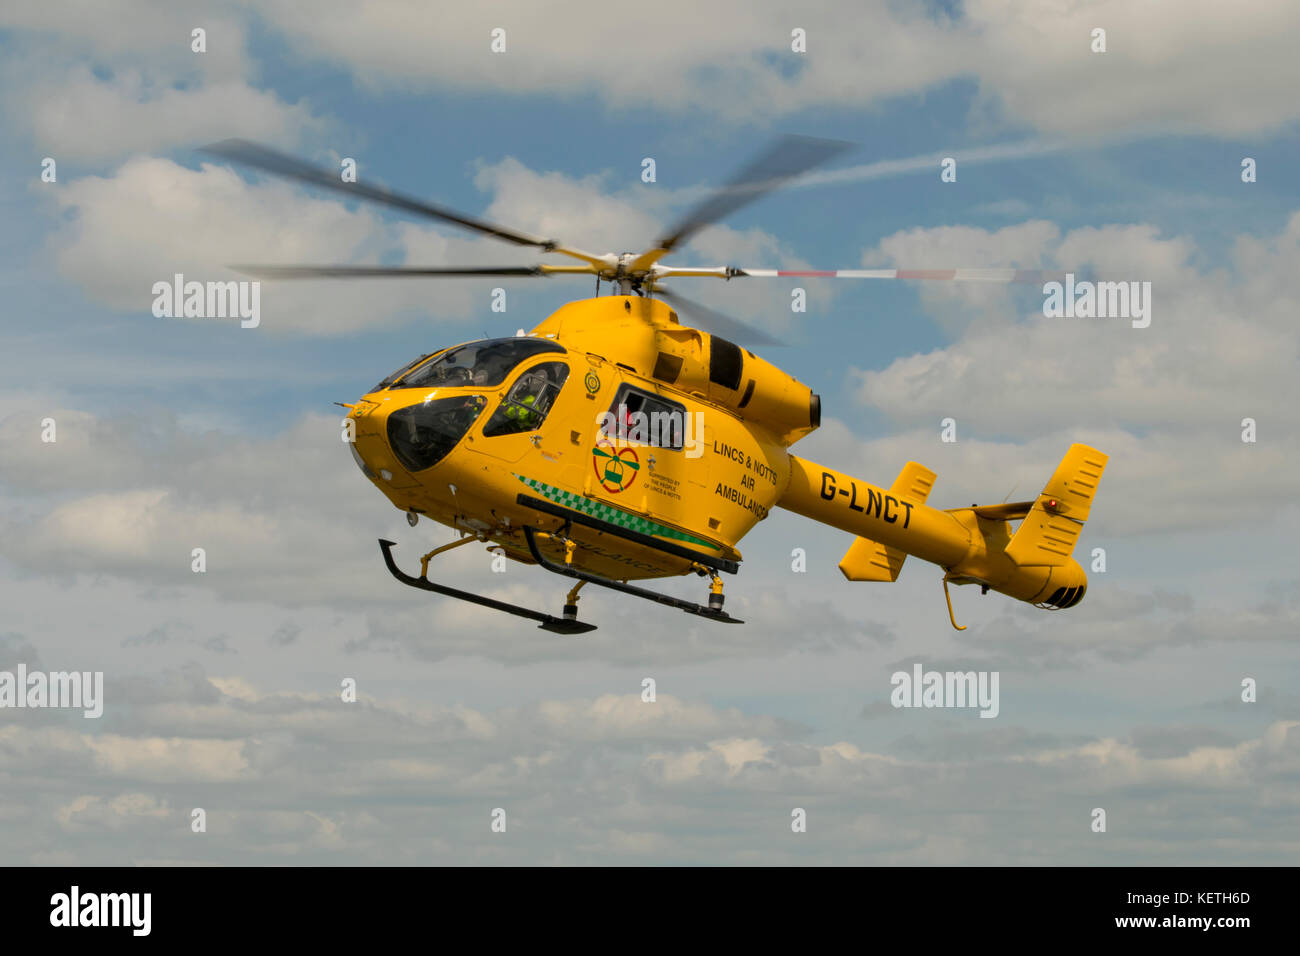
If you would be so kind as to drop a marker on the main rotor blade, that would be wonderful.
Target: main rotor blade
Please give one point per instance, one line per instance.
(785, 159)
(383, 272)
(957, 275)
(742, 333)
(1030, 276)
(268, 160)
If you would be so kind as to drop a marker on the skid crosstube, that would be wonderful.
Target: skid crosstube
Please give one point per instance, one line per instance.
(688, 606)
(549, 622)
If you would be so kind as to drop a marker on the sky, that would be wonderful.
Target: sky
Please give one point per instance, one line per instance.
(222, 690)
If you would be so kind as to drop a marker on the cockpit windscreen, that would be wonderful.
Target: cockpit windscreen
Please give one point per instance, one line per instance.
(482, 364)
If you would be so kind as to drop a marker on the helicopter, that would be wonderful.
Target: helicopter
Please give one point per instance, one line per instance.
(614, 443)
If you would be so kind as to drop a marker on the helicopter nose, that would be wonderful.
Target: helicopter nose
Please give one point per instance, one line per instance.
(361, 463)
(366, 441)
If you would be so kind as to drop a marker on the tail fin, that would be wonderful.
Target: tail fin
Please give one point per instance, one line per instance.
(1047, 536)
(868, 560)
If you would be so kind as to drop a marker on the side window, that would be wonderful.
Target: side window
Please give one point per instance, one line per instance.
(645, 418)
(525, 406)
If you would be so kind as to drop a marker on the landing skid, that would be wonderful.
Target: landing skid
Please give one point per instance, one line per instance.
(556, 625)
(713, 614)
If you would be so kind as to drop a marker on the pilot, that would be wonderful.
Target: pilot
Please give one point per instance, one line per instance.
(457, 376)
(521, 410)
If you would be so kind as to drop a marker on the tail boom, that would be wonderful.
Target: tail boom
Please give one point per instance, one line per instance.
(972, 545)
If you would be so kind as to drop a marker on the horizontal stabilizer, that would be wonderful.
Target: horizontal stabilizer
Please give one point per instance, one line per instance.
(913, 482)
(868, 560)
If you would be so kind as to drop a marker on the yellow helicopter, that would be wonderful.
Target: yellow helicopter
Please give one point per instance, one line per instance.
(614, 444)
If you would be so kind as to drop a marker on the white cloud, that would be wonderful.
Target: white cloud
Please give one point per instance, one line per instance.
(1198, 67)
(1208, 68)
(369, 776)
(135, 501)
(91, 812)
(82, 118)
(94, 83)
(154, 218)
(97, 82)
(729, 59)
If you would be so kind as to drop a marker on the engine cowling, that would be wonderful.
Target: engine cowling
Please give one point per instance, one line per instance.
(646, 336)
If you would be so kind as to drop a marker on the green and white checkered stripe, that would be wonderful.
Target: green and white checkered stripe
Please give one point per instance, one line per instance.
(612, 515)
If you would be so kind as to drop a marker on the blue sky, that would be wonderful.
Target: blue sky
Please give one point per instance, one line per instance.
(174, 432)
(431, 143)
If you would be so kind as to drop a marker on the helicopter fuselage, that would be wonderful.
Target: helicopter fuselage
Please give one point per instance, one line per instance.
(642, 448)
(631, 437)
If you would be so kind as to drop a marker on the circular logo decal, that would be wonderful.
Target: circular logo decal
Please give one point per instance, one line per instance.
(616, 468)
(592, 383)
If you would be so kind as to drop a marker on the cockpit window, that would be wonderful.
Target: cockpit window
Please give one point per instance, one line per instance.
(390, 379)
(422, 435)
(483, 364)
(529, 399)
